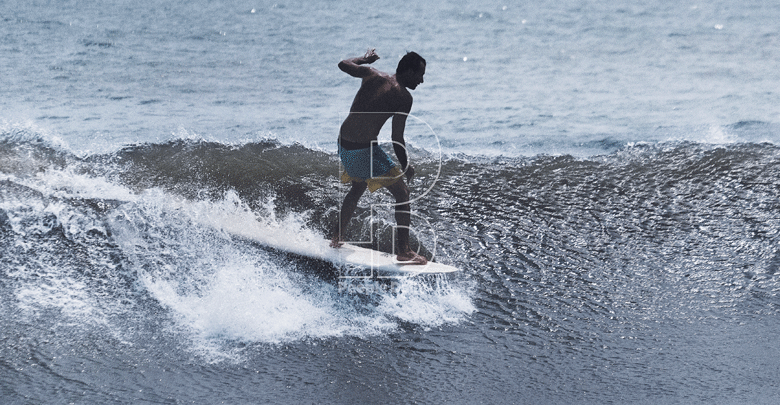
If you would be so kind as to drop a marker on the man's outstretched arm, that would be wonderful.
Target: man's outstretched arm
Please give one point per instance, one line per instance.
(354, 68)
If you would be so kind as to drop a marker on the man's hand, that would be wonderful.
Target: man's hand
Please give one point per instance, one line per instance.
(409, 174)
(370, 56)
(353, 66)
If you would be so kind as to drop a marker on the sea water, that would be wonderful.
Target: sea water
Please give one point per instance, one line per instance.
(604, 173)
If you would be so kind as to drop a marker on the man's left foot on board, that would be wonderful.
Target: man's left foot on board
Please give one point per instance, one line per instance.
(336, 242)
(411, 258)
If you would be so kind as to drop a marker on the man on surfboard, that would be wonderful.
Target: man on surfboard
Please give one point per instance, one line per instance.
(380, 97)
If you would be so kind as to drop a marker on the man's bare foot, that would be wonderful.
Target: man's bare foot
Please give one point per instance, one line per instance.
(411, 258)
(336, 242)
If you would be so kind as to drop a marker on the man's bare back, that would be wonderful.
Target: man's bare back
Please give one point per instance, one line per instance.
(380, 97)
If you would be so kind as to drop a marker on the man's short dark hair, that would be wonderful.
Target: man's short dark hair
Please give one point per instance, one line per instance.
(410, 61)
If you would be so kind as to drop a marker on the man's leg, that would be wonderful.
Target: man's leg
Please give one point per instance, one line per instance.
(347, 210)
(403, 219)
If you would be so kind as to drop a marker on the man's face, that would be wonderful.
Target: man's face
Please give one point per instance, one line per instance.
(416, 77)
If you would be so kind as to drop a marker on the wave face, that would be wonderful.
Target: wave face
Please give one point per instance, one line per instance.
(638, 267)
(608, 186)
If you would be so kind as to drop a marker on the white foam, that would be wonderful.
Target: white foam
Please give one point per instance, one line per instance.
(69, 183)
(419, 302)
(69, 296)
(217, 288)
(718, 135)
(220, 289)
(257, 302)
(48, 279)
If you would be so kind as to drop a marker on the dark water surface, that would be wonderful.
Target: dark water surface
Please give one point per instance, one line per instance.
(608, 184)
(644, 276)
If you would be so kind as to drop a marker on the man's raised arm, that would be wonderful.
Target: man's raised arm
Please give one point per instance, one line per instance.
(353, 66)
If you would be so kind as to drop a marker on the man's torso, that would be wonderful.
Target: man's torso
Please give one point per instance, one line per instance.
(379, 97)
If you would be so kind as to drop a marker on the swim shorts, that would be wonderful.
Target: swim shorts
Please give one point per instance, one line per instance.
(369, 163)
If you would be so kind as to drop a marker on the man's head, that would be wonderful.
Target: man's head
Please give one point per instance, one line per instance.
(410, 70)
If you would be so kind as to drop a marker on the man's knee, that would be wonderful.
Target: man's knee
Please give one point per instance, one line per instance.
(358, 187)
(401, 192)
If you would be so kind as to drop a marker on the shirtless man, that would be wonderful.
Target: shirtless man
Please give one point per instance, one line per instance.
(380, 97)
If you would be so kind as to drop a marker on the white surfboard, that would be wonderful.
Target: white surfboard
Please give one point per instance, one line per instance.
(380, 262)
(296, 240)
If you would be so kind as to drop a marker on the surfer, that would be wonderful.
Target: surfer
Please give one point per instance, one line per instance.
(380, 97)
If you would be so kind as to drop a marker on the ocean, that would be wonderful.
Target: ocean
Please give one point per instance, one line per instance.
(605, 175)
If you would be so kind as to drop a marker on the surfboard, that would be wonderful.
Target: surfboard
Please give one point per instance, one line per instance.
(293, 239)
(381, 262)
